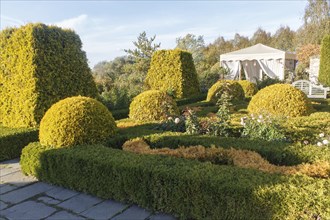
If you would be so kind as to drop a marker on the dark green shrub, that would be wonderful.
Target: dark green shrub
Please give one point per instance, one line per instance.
(152, 105)
(40, 65)
(267, 82)
(12, 141)
(187, 188)
(324, 72)
(76, 120)
(173, 71)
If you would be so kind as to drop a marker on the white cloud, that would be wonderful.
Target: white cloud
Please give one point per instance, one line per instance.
(10, 22)
(73, 23)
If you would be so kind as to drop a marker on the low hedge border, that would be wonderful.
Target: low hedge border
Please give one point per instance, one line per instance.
(12, 140)
(187, 188)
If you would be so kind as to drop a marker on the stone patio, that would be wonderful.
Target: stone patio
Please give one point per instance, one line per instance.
(23, 197)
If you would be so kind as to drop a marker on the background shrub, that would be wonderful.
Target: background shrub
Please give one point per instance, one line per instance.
(324, 72)
(250, 89)
(74, 121)
(235, 90)
(173, 71)
(280, 100)
(152, 105)
(40, 65)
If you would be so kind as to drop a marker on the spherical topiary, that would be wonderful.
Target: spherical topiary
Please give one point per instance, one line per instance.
(235, 90)
(152, 105)
(74, 121)
(280, 100)
(250, 89)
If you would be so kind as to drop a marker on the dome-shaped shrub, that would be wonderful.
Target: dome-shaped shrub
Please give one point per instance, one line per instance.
(280, 100)
(250, 89)
(235, 90)
(152, 105)
(74, 121)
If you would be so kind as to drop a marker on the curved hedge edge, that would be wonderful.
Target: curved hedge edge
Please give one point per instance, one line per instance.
(12, 143)
(188, 188)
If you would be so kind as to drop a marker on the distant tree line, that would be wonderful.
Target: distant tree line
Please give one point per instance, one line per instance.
(121, 79)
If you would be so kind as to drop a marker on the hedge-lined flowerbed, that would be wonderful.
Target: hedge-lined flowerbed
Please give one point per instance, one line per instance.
(187, 188)
(12, 140)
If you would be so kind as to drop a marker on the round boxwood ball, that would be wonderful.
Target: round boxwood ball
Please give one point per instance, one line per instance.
(280, 100)
(75, 121)
(152, 105)
(235, 90)
(250, 89)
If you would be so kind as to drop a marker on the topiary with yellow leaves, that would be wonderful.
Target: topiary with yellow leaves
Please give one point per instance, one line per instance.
(152, 105)
(173, 71)
(40, 65)
(75, 121)
(235, 90)
(280, 100)
(250, 89)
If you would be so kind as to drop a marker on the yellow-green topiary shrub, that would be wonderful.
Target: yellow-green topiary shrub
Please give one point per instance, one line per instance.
(75, 121)
(235, 90)
(280, 100)
(250, 89)
(40, 65)
(173, 71)
(152, 105)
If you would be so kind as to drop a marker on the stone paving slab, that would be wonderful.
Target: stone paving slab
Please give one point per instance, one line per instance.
(8, 170)
(104, 210)
(3, 205)
(134, 212)
(10, 163)
(28, 210)
(24, 193)
(4, 188)
(161, 216)
(48, 200)
(64, 215)
(80, 203)
(18, 179)
(60, 193)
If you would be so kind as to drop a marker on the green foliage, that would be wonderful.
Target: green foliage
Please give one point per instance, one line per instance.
(324, 73)
(152, 105)
(280, 100)
(192, 122)
(40, 65)
(262, 127)
(235, 90)
(12, 141)
(267, 82)
(160, 182)
(173, 71)
(76, 120)
(250, 89)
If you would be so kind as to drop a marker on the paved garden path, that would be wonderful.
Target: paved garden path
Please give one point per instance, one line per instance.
(23, 197)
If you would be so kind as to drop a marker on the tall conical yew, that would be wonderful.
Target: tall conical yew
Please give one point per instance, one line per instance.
(324, 73)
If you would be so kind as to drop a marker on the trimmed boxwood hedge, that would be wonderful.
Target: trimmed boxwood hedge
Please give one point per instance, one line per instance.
(40, 65)
(186, 188)
(173, 71)
(324, 73)
(12, 141)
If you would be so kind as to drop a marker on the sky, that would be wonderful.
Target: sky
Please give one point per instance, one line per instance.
(106, 28)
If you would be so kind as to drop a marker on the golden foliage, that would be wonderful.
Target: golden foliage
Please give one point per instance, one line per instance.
(235, 90)
(250, 89)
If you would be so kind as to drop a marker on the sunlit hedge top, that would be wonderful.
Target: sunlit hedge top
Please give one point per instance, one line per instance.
(280, 100)
(235, 90)
(40, 65)
(75, 121)
(173, 71)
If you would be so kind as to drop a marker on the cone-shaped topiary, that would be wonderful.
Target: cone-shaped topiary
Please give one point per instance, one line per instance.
(152, 105)
(40, 65)
(235, 90)
(250, 89)
(280, 100)
(173, 71)
(324, 73)
(75, 121)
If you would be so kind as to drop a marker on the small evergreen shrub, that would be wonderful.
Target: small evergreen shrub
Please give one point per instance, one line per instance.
(75, 121)
(152, 105)
(250, 89)
(173, 71)
(324, 72)
(280, 100)
(235, 90)
(40, 65)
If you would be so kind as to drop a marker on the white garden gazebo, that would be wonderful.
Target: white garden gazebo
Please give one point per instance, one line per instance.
(257, 61)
